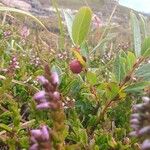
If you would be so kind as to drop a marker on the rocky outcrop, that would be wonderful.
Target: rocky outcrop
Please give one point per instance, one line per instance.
(17, 4)
(32, 6)
(43, 8)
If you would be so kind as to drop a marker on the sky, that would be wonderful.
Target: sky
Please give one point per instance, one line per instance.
(139, 5)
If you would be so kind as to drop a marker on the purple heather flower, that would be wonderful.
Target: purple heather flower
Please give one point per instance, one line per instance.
(7, 33)
(145, 131)
(36, 133)
(133, 133)
(14, 59)
(146, 145)
(40, 101)
(25, 31)
(146, 99)
(44, 105)
(49, 97)
(54, 78)
(33, 140)
(45, 132)
(42, 80)
(40, 95)
(134, 121)
(135, 126)
(40, 138)
(56, 95)
(13, 65)
(140, 122)
(136, 115)
(138, 107)
(97, 22)
(34, 147)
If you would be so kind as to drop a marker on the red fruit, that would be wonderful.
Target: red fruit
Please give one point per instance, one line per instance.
(75, 66)
(56, 95)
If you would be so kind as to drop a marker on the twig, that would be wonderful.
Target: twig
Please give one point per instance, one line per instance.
(109, 103)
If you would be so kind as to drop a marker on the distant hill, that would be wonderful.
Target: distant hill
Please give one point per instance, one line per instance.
(103, 8)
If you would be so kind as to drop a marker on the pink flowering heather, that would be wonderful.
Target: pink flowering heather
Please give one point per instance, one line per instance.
(13, 65)
(40, 139)
(25, 31)
(96, 21)
(140, 122)
(49, 97)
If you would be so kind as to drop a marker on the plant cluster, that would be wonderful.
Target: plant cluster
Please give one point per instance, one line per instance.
(76, 95)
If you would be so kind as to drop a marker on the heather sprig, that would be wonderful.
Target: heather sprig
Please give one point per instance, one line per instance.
(40, 139)
(90, 108)
(140, 122)
(49, 99)
(13, 65)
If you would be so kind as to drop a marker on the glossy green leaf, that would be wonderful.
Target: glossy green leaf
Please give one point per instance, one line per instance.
(85, 50)
(136, 34)
(81, 25)
(144, 72)
(91, 78)
(112, 89)
(143, 25)
(137, 87)
(131, 59)
(147, 53)
(69, 21)
(119, 68)
(146, 47)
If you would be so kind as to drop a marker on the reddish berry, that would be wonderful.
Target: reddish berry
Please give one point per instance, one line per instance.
(75, 66)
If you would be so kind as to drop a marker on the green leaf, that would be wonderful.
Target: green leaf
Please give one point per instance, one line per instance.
(136, 34)
(112, 89)
(119, 68)
(91, 78)
(85, 50)
(5, 114)
(131, 59)
(38, 72)
(144, 72)
(69, 21)
(147, 53)
(81, 25)
(83, 136)
(143, 25)
(5, 127)
(146, 47)
(137, 87)
(24, 142)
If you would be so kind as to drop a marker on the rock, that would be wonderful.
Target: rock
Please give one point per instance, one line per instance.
(17, 4)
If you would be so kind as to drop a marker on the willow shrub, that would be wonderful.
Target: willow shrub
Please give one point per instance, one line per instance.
(84, 103)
